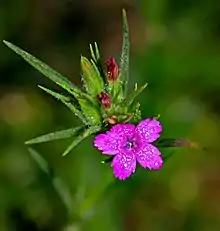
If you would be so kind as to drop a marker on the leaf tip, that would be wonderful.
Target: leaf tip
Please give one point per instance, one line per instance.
(145, 85)
(124, 13)
(5, 42)
(27, 142)
(41, 87)
(8, 44)
(64, 153)
(83, 59)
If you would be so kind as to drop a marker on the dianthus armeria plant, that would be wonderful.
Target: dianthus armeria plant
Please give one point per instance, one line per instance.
(108, 111)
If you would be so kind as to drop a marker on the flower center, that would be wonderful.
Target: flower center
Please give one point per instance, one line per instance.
(130, 144)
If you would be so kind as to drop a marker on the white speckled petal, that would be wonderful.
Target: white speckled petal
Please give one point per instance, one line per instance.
(106, 144)
(124, 165)
(149, 130)
(149, 157)
(112, 141)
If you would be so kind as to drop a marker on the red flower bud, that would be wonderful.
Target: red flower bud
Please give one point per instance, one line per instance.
(112, 69)
(105, 100)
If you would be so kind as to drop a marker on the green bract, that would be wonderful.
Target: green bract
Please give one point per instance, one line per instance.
(84, 102)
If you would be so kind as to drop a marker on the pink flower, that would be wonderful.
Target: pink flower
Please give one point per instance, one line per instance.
(112, 69)
(130, 144)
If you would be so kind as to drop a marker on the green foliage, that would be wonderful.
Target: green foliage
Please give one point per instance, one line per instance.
(57, 183)
(63, 134)
(45, 69)
(179, 59)
(132, 96)
(68, 101)
(90, 110)
(44, 166)
(96, 61)
(124, 64)
(91, 78)
(80, 137)
(85, 104)
(174, 143)
(119, 87)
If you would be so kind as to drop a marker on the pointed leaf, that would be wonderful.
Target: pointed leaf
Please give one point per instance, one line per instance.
(167, 156)
(83, 135)
(99, 63)
(40, 161)
(91, 77)
(124, 64)
(55, 94)
(63, 134)
(96, 61)
(59, 186)
(172, 143)
(92, 52)
(45, 69)
(97, 52)
(96, 69)
(67, 101)
(132, 96)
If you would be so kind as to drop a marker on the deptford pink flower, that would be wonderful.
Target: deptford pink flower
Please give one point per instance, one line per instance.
(105, 100)
(130, 144)
(112, 69)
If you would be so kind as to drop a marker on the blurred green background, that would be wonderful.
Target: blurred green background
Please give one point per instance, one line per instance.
(175, 47)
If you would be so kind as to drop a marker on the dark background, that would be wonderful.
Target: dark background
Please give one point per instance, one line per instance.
(175, 47)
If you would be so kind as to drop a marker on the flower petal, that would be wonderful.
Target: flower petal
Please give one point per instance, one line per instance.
(122, 130)
(149, 130)
(104, 143)
(149, 157)
(124, 165)
(111, 142)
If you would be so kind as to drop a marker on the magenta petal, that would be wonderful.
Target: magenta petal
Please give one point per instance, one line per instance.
(106, 144)
(149, 157)
(122, 130)
(112, 141)
(124, 165)
(149, 130)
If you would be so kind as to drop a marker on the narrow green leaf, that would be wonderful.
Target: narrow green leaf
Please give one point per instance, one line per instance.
(173, 143)
(40, 161)
(130, 99)
(91, 77)
(64, 193)
(83, 135)
(45, 69)
(97, 61)
(66, 101)
(96, 70)
(137, 113)
(92, 52)
(167, 156)
(59, 186)
(97, 54)
(63, 134)
(55, 94)
(124, 63)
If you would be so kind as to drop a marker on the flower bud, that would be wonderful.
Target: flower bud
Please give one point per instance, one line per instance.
(112, 120)
(112, 69)
(105, 100)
